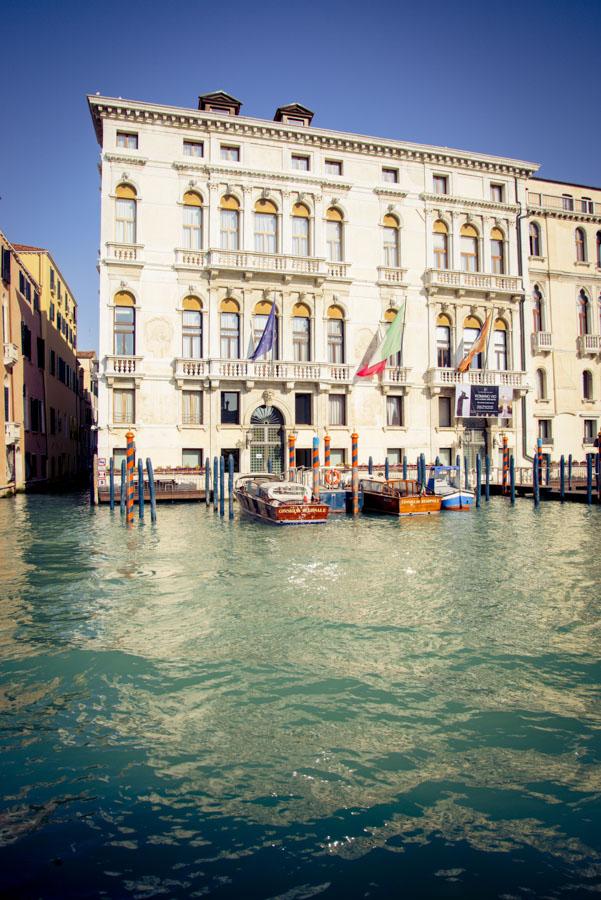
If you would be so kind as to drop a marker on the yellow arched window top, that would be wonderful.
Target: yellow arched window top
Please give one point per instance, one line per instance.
(191, 198)
(193, 303)
(124, 298)
(335, 312)
(472, 322)
(500, 325)
(390, 315)
(497, 235)
(300, 210)
(126, 192)
(229, 305)
(390, 221)
(229, 202)
(333, 215)
(266, 206)
(468, 231)
(440, 227)
(263, 308)
(301, 311)
(443, 320)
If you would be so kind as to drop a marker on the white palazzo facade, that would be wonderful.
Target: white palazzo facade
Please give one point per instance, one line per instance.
(209, 217)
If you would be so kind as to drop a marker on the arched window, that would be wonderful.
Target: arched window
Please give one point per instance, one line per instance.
(230, 328)
(541, 384)
(192, 231)
(500, 346)
(469, 249)
(584, 313)
(266, 227)
(301, 332)
(391, 241)
(441, 245)
(599, 249)
(471, 330)
(334, 234)
(260, 316)
(300, 230)
(535, 241)
(537, 308)
(580, 245)
(389, 317)
(230, 223)
(124, 328)
(335, 335)
(192, 328)
(126, 214)
(497, 251)
(443, 342)
(587, 385)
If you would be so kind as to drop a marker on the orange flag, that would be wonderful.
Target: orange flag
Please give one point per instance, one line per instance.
(477, 347)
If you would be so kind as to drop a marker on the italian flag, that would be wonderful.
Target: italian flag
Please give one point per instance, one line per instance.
(391, 344)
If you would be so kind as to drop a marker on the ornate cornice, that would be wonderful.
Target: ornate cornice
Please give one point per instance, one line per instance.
(134, 112)
(128, 160)
(440, 201)
(395, 193)
(571, 215)
(212, 169)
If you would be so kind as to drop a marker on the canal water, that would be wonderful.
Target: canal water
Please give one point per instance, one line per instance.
(373, 708)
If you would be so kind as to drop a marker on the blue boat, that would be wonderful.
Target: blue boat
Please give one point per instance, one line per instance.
(444, 482)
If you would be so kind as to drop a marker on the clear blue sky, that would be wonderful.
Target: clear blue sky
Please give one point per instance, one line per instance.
(515, 79)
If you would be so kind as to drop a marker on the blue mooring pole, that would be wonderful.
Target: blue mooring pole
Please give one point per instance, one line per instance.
(487, 477)
(151, 490)
(140, 489)
(512, 479)
(405, 467)
(386, 469)
(547, 468)
(437, 461)
(207, 481)
(230, 485)
(221, 486)
(123, 488)
(570, 472)
(370, 465)
(589, 478)
(112, 484)
(466, 476)
(215, 483)
(535, 487)
(478, 480)
(562, 478)
(269, 465)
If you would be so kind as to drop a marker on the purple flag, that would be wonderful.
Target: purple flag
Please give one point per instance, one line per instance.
(267, 339)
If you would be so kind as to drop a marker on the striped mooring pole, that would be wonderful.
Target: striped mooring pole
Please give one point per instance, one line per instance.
(505, 463)
(291, 456)
(129, 437)
(355, 465)
(123, 488)
(326, 451)
(112, 484)
(316, 467)
(539, 454)
(151, 490)
(141, 489)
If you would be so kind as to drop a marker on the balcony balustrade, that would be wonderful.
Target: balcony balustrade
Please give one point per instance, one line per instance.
(450, 377)
(12, 433)
(123, 365)
(126, 254)
(391, 275)
(542, 341)
(481, 282)
(589, 344)
(571, 206)
(11, 354)
(262, 370)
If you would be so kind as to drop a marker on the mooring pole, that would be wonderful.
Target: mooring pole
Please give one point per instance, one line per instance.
(598, 462)
(535, 487)
(386, 469)
(487, 477)
(539, 454)
(291, 457)
(512, 479)
(129, 437)
(466, 474)
(405, 467)
(370, 465)
(123, 488)
(151, 490)
(562, 478)
(316, 467)
(140, 489)
(570, 472)
(478, 479)
(589, 478)
(112, 484)
(547, 468)
(326, 451)
(222, 486)
(215, 483)
(230, 485)
(355, 465)
(207, 481)
(505, 464)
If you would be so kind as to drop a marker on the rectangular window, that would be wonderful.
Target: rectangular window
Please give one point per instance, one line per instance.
(586, 205)
(301, 163)
(192, 459)
(303, 458)
(301, 338)
(123, 406)
(445, 456)
(544, 429)
(395, 456)
(41, 353)
(497, 193)
(391, 176)
(192, 407)
(230, 153)
(127, 140)
(6, 265)
(58, 289)
(394, 411)
(333, 167)
(193, 148)
(302, 409)
(52, 362)
(125, 222)
(231, 451)
(567, 202)
(51, 279)
(337, 409)
(230, 335)
(25, 341)
(441, 184)
(338, 457)
(300, 236)
(230, 408)
(335, 341)
(444, 412)
(119, 456)
(590, 429)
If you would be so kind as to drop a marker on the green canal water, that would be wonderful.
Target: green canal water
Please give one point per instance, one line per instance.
(369, 709)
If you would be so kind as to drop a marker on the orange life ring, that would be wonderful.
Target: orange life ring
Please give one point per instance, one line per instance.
(332, 478)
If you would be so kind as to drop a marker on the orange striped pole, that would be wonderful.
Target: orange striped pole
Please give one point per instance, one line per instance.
(355, 464)
(316, 467)
(326, 451)
(291, 455)
(505, 463)
(129, 498)
(539, 449)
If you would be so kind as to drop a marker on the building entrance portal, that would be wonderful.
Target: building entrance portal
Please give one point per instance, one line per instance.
(267, 440)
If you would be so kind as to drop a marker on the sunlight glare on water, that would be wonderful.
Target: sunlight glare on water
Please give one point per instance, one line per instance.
(369, 708)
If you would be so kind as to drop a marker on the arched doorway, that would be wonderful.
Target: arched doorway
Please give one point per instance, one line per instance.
(266, 439)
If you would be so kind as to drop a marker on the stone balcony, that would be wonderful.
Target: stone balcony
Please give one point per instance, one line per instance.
(392, 276)
(250, 263)
(542, 341)
(124, 254)
(446, 378)
(123, 367)
(11, 354)
(589, 344)
(12, 433)
(473, 282)
(262, 370)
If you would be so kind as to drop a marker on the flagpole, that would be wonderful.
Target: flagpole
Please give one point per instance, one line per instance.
(488, 340)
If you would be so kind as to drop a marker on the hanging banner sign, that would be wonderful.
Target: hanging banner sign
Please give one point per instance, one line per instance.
(483, 401)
